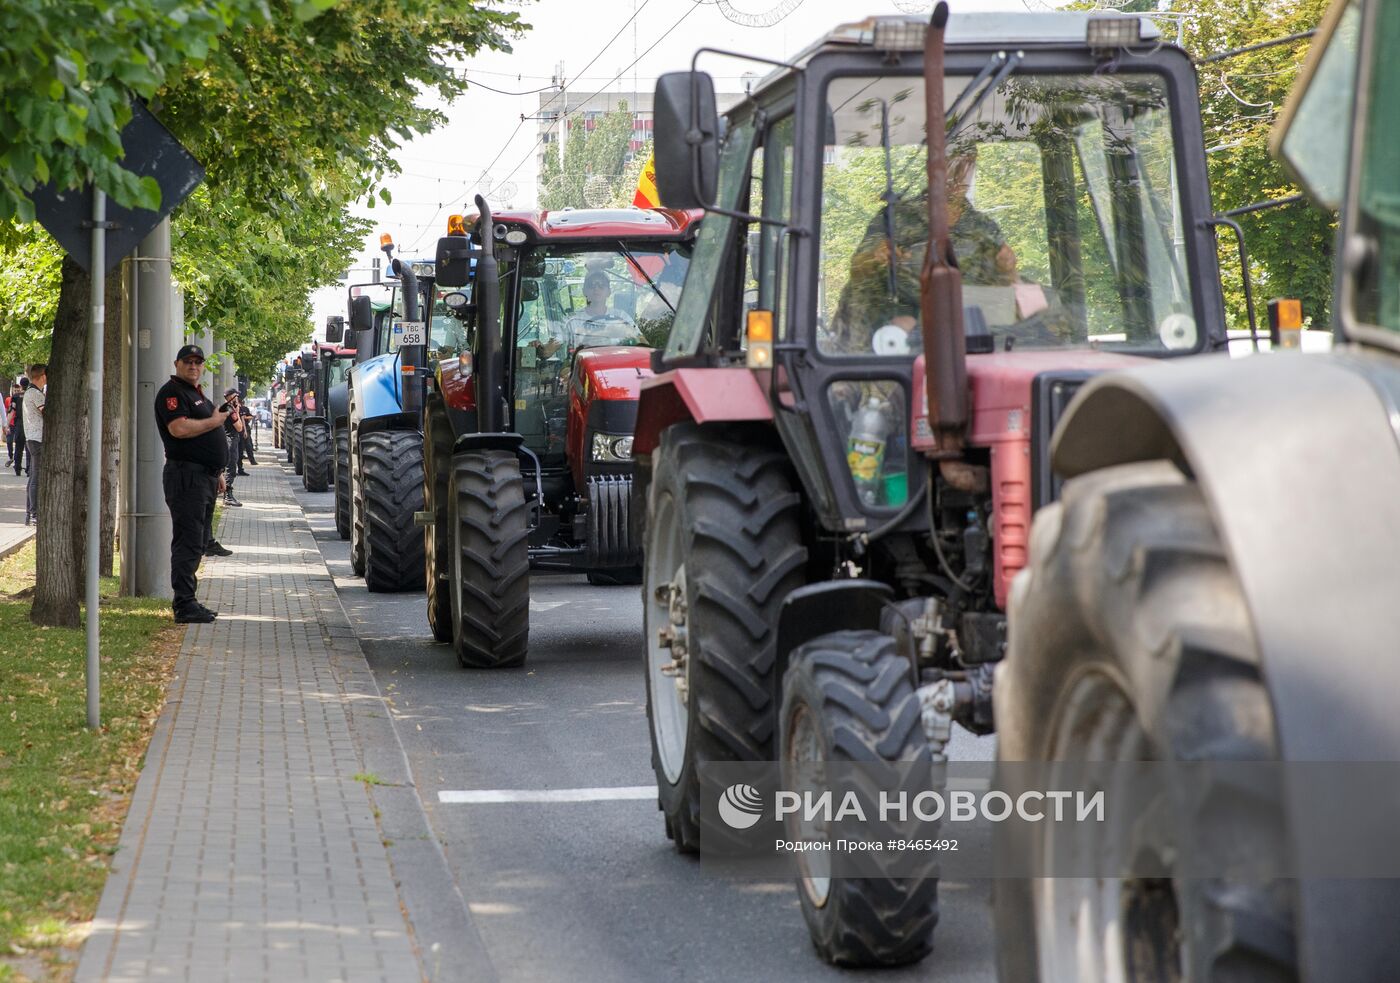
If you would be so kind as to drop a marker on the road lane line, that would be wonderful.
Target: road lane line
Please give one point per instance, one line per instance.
(495, 796)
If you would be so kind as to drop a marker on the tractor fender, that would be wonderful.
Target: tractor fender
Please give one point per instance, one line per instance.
(721, 395)
(819, 609)
(1298, 459)
(375, 383)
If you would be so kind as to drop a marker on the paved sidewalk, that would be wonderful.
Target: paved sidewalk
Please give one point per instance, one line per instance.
(250, 852)
(13, 532)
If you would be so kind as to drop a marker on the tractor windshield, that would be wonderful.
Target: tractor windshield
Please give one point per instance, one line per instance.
(572, 297)
(1063, 205)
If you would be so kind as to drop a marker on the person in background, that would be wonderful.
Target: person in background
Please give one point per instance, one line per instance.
(7, 424)
(249, 425)
(17, 421)
(233, 431)
(34, 435)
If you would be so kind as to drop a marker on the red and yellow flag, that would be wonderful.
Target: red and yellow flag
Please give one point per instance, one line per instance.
(646, 196)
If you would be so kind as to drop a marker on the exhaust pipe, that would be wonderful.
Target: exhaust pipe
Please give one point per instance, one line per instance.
(490, 363)
(940, 282)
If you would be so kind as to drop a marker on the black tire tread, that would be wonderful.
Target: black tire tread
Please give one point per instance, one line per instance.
(861, 691)
(437, 538)
(316, 456)
(492, 629)
(342, 482)
(391, 463)
(1128, 569)
(744, 554)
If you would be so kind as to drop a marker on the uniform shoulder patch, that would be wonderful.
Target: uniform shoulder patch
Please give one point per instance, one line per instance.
(172, 402)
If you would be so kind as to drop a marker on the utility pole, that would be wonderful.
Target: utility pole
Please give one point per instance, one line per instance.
(149, 335)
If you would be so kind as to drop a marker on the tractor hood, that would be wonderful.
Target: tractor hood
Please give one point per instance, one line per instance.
(614, 372)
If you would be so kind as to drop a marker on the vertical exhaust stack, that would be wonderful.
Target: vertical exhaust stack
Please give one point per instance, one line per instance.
(940, 282)
(490, 362)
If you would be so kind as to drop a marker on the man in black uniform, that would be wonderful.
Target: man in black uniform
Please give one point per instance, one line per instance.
(191, 428)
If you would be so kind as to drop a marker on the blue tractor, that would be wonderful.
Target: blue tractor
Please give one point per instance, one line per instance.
(379, 447)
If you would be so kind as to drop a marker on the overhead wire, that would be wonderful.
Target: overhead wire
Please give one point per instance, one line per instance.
(539, 140)
(505, 146)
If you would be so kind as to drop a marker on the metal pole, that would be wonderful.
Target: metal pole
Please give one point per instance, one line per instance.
(94, 469)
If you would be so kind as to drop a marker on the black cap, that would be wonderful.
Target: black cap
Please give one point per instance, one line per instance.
(188, 351)
(230, 392)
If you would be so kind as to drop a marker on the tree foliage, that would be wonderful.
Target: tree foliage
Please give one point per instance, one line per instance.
(294, 106)
(594, 170)
(1291, 249)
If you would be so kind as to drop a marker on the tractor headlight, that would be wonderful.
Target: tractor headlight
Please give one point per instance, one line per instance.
(609, 448)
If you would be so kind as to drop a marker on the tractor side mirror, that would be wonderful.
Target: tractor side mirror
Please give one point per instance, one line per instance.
(454, 261)
(361, 314)
(529, 290)
(687, 140)
(335, 329)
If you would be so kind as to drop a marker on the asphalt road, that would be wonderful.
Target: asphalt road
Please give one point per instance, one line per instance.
(587, 890)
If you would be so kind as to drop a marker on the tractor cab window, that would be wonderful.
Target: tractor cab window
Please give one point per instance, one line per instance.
(1062, 203)
(337, 372)
(571, 298)
(448, 333)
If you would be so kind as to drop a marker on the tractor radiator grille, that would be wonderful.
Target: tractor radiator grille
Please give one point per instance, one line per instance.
(1051, 394)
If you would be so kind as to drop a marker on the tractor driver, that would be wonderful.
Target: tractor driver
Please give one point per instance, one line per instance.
(597, 323)
(867, 302)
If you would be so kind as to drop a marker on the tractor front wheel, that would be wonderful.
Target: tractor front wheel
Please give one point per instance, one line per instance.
(316, 456)
(722, 550)
(490, 585)
(342, 482)
(1131, 641)
(437, 538)
(391, 466)
(849, 700)
(294, 450)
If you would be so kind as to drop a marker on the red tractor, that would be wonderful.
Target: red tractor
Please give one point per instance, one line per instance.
(839, 471)
(528, 432)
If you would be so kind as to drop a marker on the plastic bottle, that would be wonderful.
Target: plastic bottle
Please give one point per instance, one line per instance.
(865, 448)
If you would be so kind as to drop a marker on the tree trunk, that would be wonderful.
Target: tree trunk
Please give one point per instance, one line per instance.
(62, 467)
(111, 420)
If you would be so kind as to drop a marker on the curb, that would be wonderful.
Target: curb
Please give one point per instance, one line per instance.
(15, 547)
(447, 938)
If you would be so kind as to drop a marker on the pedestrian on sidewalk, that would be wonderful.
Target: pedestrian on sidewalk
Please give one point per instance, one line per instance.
(191, 428)
(17, 421)
(233, 430)
(250, 437)
(8, 425)
(34, 435)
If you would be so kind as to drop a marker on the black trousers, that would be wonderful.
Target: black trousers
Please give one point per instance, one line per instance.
(235, 457)
(190, 491)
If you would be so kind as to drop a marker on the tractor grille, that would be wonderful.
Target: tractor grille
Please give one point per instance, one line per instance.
(1051, 394)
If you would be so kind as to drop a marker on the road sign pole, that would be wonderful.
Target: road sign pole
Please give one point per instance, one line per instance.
(94, 469)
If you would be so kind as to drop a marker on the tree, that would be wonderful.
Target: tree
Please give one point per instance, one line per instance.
(290, 112)
(593, 171)
(1291, 248)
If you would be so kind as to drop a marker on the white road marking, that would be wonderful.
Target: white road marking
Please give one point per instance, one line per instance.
(495, 796)
(545, 605)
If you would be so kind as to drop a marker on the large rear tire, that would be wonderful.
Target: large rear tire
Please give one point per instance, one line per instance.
(316, 456)
(490, 560)
(437, 538)
(848, 698)
(391, 466)
(1131, 640)
(342, 482)
(723, 548)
